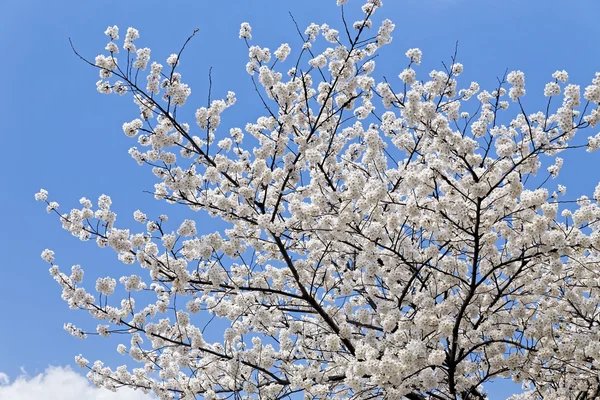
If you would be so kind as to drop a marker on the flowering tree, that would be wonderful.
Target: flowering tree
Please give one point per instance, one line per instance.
(393, 254)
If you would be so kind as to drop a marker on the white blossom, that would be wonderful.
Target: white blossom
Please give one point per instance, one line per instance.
(245, 31)
(48, 256)
(368, 238)
(414, 55)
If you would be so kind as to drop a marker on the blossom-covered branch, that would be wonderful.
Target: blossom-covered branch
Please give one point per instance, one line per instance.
(384, 239)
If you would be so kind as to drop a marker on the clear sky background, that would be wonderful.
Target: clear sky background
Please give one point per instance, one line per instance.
(60, 134)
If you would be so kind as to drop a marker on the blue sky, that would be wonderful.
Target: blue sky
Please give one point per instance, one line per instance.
(60, 134)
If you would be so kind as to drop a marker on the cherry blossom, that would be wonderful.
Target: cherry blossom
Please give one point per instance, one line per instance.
(383, 238)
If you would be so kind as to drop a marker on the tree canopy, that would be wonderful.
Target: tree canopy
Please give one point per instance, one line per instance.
(386, 239)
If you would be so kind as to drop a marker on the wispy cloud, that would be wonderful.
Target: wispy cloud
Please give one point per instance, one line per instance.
(4, 379)
(58, 383)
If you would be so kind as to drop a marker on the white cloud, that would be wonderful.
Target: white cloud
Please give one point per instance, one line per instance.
(58, 383)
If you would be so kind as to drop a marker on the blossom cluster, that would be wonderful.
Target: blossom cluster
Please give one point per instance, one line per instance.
(383, 238)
